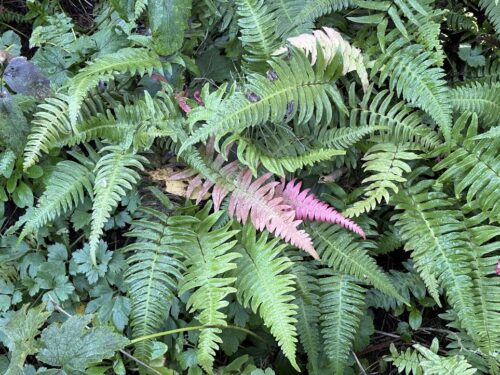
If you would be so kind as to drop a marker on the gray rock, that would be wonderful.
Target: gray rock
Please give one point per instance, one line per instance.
(24, 77)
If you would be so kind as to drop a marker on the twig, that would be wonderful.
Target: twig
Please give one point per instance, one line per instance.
(359, 364)
(123, 352)
(193, 328)
(388, 334)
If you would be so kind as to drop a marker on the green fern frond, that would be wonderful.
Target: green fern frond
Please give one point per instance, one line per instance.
(312, 10)
(421, 360)
(49, 123)
(286, 12)
(433, 364)
(341, 304)
(388, 162)
(402, 123)
(412, 75)
(257, 27)
(127, 60)
(433, 232)
(484, 99)
(115, 174)
(154, 270)
(474, 166)
(344, 252)
(300, 90)
(486, 334)
(407, 362)
(492, 10)
(344, 138)
(265, 284)
(252, 156)
(66, 188)
(485, 75)
(208, 259)
(7, 162)
(308, 313)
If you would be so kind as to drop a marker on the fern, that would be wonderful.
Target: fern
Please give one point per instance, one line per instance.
(410, 72)
(312, 10)
(68, 184)
(474, 167)
(344, 253)
(208, 258)
(257, 28)
(331, 43)
(114, 175)
(251, 155)
(431, 229)
(127, 60)
(421, 359)
(388, 160)
(7, 162)
(486, 334)
(308, 313)
(49, 123)
(300, 89)
(264, 284)
(492, 10)
(341, 305)
(250, 199)
(400, 122)
(308, 207)
(480, 98)
(154, 271)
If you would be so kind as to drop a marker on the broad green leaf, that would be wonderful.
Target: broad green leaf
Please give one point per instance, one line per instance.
(20, 332)
(73, 347)
(168, 19)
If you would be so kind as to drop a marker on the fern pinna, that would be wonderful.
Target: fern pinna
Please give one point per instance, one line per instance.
(250, 187)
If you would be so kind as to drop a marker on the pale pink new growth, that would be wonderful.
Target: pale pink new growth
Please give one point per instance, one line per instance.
(308, 207)
(257, 201)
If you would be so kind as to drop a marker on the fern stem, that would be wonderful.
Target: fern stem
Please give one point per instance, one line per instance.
(194, 328)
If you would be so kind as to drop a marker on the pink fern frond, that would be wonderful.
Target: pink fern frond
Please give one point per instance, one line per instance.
(255, 199)
(308, 207)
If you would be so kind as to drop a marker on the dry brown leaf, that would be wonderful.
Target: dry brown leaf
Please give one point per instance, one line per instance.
(174, 186)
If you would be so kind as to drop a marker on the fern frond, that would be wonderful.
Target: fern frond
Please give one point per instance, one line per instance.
(257, 27)
(66, 188)
(48, 124)
(308, 207)
(411, 74)
(434, 364)
(343, 252)
(492, 10)
(127, 60)
(252, 156)
(401, 122)
(208, 258)
(154, 270)
(115, 174)
(300, 90)
(331, 43)
(341, 304)
(7, 162)
(286, 12)
(344, 138)
(433, 232)
(251, 199)
(474, 166)
(388, 161)
(312, 10)
(484, 99)
(265, 284)
(308, 313)
(484, 241)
